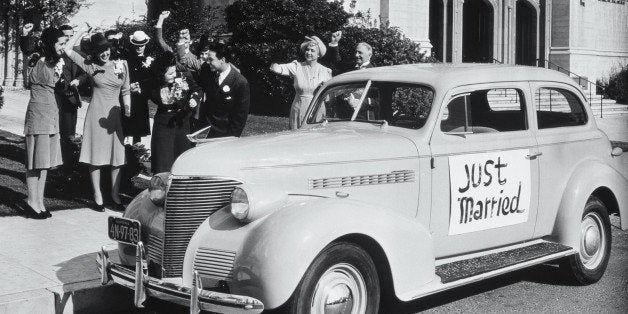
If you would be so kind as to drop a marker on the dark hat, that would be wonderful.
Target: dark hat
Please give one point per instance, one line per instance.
(99, 43)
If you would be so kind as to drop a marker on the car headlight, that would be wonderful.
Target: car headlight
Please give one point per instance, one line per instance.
(158, 187)
(239, 204)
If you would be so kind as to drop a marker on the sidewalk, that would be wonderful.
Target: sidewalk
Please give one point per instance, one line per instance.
(49, 266)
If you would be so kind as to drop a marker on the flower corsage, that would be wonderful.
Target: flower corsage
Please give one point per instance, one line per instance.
(59, 67)
(147, 62)
(118, 68)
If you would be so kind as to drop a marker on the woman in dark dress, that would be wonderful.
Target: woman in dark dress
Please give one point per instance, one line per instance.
(41, 124)
(137, 125)
(176, 94)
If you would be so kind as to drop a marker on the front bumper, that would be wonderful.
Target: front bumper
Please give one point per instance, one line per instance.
(195, 297)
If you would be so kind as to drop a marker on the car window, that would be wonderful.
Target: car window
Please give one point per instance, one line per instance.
(399, 104)
(558, 108)
(485, 111)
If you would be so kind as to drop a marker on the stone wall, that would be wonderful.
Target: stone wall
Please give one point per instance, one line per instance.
(590, 38)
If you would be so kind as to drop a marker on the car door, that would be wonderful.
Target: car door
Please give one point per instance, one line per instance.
(566, 137)
(485, 173)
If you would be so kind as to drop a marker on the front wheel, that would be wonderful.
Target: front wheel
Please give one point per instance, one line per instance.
(589, 265)
(342, 279)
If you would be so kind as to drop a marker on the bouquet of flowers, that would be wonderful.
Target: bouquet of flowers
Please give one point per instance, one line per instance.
(180, 86)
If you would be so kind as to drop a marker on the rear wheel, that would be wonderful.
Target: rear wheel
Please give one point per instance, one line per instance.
(595, 244)
(342, 279)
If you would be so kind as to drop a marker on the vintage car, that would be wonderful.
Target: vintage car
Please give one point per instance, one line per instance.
(403, 182)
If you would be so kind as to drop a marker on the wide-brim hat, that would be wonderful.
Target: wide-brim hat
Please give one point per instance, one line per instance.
(98, 43)
(139, 38)
(322, 49)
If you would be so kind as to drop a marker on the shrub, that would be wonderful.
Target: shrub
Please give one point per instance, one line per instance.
(271, 31)
(1, 97)
(617, 87)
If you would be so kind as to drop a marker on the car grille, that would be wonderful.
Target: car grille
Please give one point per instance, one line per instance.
(188, 203)
(215, 264)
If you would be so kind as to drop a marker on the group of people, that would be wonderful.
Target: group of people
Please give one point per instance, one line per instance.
(191, 92)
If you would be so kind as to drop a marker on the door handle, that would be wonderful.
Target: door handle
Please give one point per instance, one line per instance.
(533, 156)
(342, 194)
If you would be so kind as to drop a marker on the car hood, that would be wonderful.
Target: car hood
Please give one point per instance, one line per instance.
(336, 142)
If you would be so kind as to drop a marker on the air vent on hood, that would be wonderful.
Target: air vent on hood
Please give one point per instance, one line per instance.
(399, 176)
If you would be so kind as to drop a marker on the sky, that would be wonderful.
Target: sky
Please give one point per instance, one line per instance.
(106, 12)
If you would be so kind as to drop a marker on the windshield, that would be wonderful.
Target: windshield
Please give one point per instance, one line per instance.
(399, 104)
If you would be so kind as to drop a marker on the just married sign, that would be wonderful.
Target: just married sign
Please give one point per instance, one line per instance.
(488, 190)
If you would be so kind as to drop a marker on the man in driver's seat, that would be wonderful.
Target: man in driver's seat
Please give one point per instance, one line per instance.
(346, 104)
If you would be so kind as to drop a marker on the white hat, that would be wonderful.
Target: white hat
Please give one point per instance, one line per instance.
(319, 43)
(139, 38)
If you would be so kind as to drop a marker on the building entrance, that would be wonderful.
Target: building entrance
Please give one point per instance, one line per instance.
(477, 31)
(526, 37)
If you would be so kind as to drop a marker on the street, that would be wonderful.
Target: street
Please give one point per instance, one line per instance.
(539, 289)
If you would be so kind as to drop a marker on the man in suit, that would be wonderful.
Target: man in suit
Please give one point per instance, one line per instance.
(227, 96)
(363, 54)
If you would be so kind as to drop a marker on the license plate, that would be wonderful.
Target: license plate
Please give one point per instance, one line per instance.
(124, 230)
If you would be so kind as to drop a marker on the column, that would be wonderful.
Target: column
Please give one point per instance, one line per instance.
(445, 30)
(456, 56)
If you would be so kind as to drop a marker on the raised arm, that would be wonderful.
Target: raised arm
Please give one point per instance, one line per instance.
(159, 30)
(69, 46)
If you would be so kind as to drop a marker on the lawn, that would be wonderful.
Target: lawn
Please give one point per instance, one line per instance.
(72, 190)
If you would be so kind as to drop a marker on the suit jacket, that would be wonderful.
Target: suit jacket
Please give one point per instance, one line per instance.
(67, 96)
(226, 106)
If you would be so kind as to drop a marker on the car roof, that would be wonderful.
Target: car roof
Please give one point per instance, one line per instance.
(448, 75)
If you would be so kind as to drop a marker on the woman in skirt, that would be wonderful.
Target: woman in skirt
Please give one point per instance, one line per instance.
(176, 94)
(41, 124)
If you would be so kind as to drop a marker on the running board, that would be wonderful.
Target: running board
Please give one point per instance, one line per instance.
(477, 266)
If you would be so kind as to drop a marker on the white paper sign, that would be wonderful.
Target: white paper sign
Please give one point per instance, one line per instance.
(488, 190)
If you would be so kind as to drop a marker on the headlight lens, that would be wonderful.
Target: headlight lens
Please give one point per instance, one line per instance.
(239, 204)
(158, 187)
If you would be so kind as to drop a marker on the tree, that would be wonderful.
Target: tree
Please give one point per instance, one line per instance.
(271, 31)
(266, 31)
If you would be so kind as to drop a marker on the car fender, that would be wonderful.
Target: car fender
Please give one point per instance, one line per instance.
(274, 252)
(588, 176)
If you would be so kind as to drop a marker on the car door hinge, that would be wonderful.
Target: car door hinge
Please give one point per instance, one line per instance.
(432, 163)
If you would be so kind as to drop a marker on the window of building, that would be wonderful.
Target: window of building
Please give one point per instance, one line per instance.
(558, 108)
(485, 111)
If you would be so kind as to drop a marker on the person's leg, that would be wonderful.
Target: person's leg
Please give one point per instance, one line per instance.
(41, 187)
(115, 184)
(94, 173)
(32, 179)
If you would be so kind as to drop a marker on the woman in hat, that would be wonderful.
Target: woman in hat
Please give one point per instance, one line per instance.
(306, 75)
(102, 134)
(137, 125)
(41, 124)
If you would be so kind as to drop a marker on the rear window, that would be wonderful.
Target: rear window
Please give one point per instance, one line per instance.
(485, 111)
(557, 108)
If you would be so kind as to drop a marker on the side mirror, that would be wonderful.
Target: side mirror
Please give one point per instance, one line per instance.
(617, 151)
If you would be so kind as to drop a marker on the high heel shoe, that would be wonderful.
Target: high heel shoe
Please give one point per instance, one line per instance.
(30, 212)
(98, 207)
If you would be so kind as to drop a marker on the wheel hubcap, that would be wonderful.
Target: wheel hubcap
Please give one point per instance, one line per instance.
(592, 241)
(340, 290)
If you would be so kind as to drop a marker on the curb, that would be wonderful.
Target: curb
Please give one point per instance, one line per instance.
(82, 297)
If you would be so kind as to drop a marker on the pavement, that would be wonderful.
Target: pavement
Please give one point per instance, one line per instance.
(49, 265)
